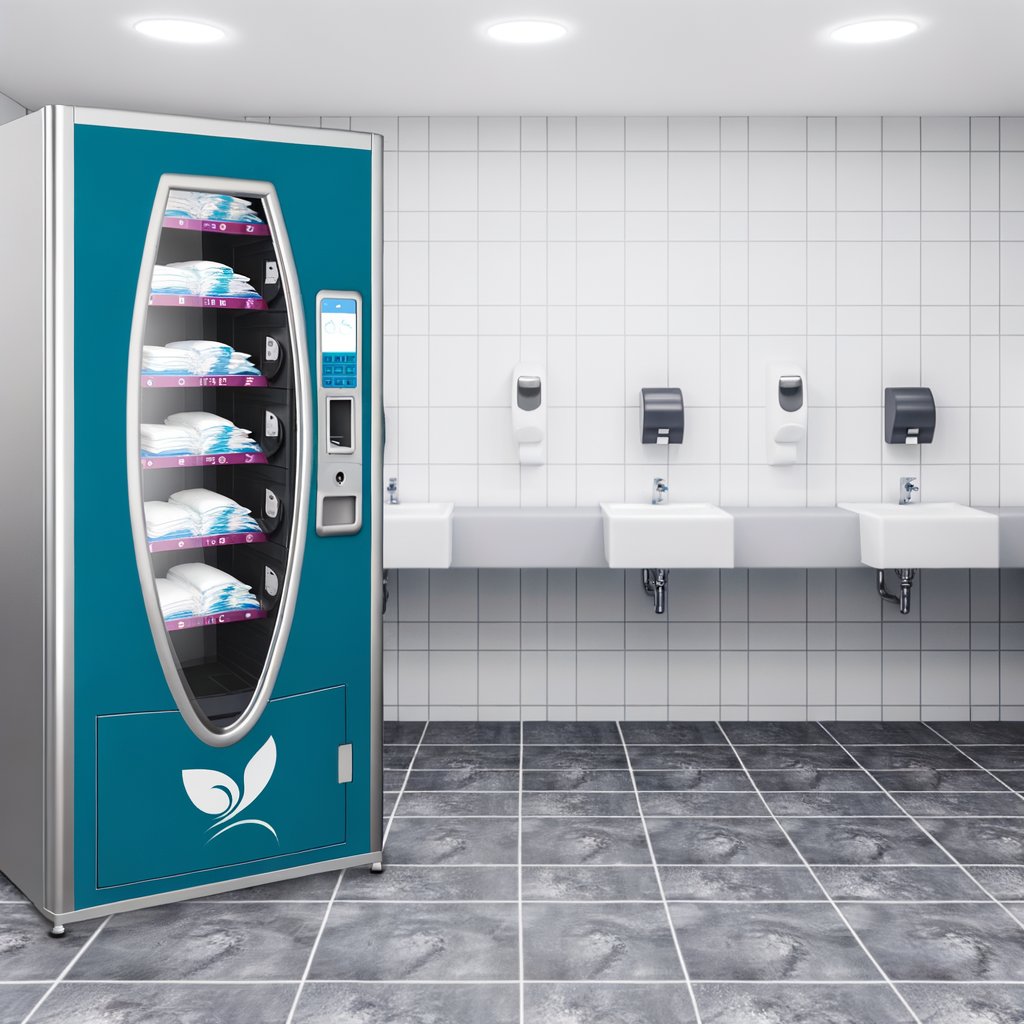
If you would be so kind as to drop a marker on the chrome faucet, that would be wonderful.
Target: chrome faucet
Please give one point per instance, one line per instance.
(660, 490)
(393, 490)
(908, 488)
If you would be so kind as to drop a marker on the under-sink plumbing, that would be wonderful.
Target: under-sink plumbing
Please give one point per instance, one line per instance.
(656, 583)
(906, 578)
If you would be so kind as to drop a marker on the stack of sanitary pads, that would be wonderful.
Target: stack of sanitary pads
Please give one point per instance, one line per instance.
(214, 513)
(177, 601)
(197, 358)
(157, 440)
(209, 206)
(194, 433)
(213, 591)
(167, 521)
(200, 277)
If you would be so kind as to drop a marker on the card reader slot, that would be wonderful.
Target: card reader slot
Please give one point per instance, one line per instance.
(339, 424)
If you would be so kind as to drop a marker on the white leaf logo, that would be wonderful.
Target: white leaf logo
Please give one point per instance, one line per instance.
(218, 794)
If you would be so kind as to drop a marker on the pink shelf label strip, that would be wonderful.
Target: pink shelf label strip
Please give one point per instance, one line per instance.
(190, 461)
(219, 540)
(217, 227)
(231, 380)
(195, 621)
(207, 301)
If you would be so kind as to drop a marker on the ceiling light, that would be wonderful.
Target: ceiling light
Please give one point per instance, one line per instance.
(526, 31)
(880, 31)
(175, 30)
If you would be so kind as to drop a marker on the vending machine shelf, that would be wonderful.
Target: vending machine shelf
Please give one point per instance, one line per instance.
(231, 380)
(220, 619)
(192, 461)
(207, 301)
(215, 540)
(217, 227)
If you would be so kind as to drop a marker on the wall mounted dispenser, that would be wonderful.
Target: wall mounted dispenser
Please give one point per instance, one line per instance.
(529, 414)
(785, 412)
(909, 415)
(661, 416)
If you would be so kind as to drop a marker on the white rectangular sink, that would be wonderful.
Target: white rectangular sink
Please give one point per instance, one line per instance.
(667, 536)
(418, 535)
(929, 535)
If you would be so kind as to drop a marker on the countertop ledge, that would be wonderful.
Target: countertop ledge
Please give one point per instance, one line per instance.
(765, 538)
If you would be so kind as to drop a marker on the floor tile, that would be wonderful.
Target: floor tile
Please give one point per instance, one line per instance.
(390, 799)
(393, 781)
(584, 841)
(800, 1004)
(768, 942)
(980, 840)
(341, 1003)
(1004, 758)
(580, 1003)
(574, 756)
(941, 941)
(408, 882)
(881, 758)
(862, 841)
(702, 803)
(317, 888)
(610, 942)
(859, 733)
(719, 841)
(637, 882)
(814, 779)
(581, 803)
(578, 779)
(27, 953)
(419, 941)
(566, 733)
(452, 841)
(204, 942)
(167, 1004)
(938, 781)
(791, 755)
(775, 732)
(652, 758)
(457, 804)
(479, 755)
(672, 732)
(469, 779)
(969, 733)
(741, 883)
(833, 804)
(9, 892)
(398, 759)
(472, 732)
(712, 780)
(1005, 804)
(403, 732)
(885, 883)
(1014, 780)
(1005, 883)
(965, 1004)
(17, 1000)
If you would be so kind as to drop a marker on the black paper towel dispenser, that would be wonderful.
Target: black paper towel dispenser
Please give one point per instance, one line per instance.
(909, 416)
(661, 416)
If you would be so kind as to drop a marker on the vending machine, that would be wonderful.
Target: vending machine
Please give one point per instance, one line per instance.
(191, 543)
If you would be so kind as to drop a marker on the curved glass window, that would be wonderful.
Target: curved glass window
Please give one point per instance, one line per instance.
(218, 465)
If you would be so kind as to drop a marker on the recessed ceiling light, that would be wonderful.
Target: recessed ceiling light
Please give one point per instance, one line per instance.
(527, 31)
(881, 31)
(176, 30)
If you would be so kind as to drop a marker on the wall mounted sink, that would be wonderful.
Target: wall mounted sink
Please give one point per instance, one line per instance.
(667, 536)
(929, 535)
(418, 535)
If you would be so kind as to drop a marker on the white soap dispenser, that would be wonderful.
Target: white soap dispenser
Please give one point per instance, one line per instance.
(529, 413)
(785, 412)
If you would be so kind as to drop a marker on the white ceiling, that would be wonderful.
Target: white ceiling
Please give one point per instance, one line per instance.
(292, 57)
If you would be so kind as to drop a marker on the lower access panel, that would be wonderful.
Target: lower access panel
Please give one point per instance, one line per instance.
(169, 805)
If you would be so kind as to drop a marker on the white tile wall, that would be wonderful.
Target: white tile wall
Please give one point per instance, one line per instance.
(690, 251)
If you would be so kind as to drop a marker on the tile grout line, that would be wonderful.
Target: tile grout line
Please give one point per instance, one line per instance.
(312, 953)
(657, 875)
(519, 884)
(821, 886)
(67, 970)
(918, 825)
(988, 771)
(405, 782)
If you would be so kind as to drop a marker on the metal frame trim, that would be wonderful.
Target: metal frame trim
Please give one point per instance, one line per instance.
(255, 130)
(193, 717)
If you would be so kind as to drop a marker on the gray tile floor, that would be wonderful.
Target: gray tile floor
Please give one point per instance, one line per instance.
(641, 873)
